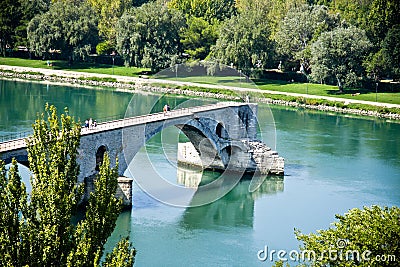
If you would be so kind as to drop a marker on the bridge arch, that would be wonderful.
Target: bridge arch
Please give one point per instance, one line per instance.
(201, 133)
(101, 150)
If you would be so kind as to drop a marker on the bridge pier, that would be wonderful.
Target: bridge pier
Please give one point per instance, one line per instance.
(124, 189)
(254, 156)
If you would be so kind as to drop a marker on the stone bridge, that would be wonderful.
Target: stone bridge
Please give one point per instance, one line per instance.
(224, 135)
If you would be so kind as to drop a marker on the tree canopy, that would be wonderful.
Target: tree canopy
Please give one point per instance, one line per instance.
(302, 25)
(149, 36)
(244, 42)
(10, 15)
(159, 33)
(70, 27)
(361, 237)
(338, 55)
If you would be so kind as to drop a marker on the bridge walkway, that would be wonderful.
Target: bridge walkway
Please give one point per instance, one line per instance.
(19, 143)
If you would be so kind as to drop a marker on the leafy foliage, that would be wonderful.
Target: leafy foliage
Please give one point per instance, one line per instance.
(198, 37)
(155, 34)
(12, 201)
(338, 55)
(206, 9)
(10, 13)
(148, 36)
(40, 232)
(301, 26)
(70, 27)
(108, 13)
(391, 51)
(244, 41)
(373, 230)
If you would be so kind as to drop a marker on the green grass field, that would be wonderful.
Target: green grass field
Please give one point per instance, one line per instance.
(329, 90)
(78, 66)
(273, 85)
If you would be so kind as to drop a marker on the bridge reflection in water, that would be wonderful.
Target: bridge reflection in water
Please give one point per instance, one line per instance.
(236, 208)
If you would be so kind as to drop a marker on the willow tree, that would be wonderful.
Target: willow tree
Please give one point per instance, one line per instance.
(68, 26)
(244, 41)
(40, 232)
(148, 36)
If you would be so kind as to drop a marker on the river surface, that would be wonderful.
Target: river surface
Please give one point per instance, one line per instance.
(332, 163)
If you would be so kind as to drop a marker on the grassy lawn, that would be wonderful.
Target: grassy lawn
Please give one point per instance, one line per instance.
(273, 85)
(77, 66)
(300, 88)
(329, 90)
(235, 81)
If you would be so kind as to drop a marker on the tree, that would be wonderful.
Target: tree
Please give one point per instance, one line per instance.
(148, 36)
(41, 233)
(275, 10)
(207, 9)
(69, 26)
(198, 37)
(358, 238)
(244, 41)
(12, 201)
(301, 26)
(391, 51)
(353, 12)
(383, 15)
(109, 12)
(10, 15)
(29, 9)
(337, 56)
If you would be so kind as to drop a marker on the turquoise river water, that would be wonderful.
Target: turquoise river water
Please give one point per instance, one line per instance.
(332, 163)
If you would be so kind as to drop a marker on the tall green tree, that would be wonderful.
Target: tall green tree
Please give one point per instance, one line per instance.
(275, 10)
(244, 41)
(12, 200)
(199, 36)
(68, 26)
(299, 29)
(353, 12)
(383, 15)
(391, 51)
(10, 15)
(149, 36)
(108, 12)
(29, 9)
(337, 56)
(40, 232)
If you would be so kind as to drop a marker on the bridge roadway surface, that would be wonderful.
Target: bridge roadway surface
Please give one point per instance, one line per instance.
(136, 80)
(115, 124)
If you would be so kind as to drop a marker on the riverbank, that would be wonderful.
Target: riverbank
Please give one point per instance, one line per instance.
(125, 83)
